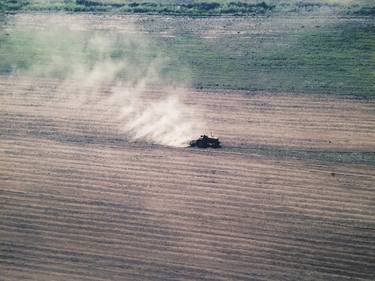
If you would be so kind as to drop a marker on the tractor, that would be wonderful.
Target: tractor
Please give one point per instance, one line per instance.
(205, 141)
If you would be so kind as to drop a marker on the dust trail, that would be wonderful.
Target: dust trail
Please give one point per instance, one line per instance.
(106, 74)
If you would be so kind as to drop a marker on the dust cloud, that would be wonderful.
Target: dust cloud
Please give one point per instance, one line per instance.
(120, 76)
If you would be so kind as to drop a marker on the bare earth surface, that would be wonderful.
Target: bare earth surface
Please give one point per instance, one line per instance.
(80, 202)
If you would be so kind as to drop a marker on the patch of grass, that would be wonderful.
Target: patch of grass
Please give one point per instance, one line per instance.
(192, 8)
(335, 59)
(341, 58)
(196, 8)
(40, 53)
(199, 8)
(362, 10)
(13, 5)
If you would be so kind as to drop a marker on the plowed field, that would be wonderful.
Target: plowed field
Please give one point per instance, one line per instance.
(79, 201)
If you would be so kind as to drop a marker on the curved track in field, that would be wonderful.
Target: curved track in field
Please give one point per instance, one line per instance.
(80, 202)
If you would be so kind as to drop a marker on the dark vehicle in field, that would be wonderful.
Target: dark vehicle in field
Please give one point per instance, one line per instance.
(205, 142)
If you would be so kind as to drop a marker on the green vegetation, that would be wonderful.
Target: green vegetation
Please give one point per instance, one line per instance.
(282, 55)
(192, 8)
(335, 58)
(358, 10)
(40, 53)
(340, 60)
(27, 51)
(13, 5)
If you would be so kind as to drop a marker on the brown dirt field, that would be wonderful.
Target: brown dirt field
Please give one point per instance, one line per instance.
(80, 202)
